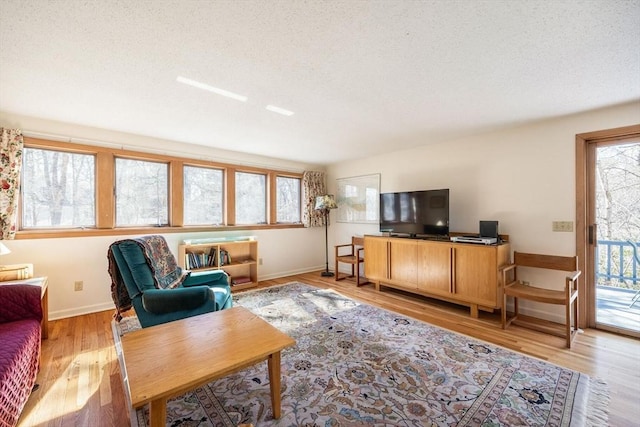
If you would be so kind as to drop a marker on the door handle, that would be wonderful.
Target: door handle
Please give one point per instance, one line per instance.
(592, 234)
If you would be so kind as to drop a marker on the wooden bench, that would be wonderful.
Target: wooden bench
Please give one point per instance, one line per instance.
(567, 297)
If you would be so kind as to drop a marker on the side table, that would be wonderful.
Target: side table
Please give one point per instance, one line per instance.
(43, 283)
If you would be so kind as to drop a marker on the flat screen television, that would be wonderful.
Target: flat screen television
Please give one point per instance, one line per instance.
(415, 213)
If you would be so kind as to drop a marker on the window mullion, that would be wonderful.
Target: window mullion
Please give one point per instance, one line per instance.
(272, 201)
(230, 204)
(176, 193)
(105, 182)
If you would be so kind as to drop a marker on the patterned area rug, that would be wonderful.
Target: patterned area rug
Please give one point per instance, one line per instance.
(357, 365)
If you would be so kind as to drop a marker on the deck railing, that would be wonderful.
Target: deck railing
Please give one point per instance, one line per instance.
(615, 264)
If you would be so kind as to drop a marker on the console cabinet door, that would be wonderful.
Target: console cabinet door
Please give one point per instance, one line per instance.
(475, 274)
(376, 258)
(434, 268)
(403, 262)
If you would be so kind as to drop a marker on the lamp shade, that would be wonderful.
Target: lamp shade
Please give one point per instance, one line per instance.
(4, 250)
(325, 202)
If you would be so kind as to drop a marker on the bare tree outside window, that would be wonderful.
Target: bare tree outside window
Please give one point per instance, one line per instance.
(288, 199)
(251, 198)
(142, 193)
(618, 213)
(203, 196)
(58, 189)
(618, 192)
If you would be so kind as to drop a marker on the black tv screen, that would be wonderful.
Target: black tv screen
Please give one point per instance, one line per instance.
(415, 213)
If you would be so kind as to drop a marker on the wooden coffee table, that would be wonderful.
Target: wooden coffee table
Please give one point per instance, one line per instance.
(167, 360)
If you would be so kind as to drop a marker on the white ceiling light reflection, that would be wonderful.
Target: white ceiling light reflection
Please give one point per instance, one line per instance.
(213, 89)
(279, 110)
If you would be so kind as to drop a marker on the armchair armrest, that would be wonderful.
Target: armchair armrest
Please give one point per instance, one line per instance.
(573, 276)
(571, 282)
(343, 246)
(20, 302)
(348, 245)
(209, 278)
(505, 269)
(162, 301)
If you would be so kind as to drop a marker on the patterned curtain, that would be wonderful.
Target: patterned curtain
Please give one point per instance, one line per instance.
(313, 185)
(11, 144)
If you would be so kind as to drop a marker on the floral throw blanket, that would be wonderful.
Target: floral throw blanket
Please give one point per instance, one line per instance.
(166, 272)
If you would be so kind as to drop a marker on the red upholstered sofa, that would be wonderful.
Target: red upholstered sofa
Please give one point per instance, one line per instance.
(20, 316)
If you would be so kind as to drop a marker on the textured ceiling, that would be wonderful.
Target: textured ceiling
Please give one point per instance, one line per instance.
(363, 77)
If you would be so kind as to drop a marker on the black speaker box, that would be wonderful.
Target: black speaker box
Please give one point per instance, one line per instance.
(489, 229)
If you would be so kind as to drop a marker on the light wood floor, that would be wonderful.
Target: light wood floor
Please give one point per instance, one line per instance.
(80, 382)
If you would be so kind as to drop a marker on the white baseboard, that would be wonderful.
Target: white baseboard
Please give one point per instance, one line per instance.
(290, 273)
(94, 308)
(78, 311)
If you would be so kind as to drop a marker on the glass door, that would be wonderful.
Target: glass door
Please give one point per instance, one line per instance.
(614, 233)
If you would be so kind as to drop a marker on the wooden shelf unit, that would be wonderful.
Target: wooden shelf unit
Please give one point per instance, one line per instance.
(243, 254)
(462, 273)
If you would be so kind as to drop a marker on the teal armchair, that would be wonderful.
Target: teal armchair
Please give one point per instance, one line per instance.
(136, 269)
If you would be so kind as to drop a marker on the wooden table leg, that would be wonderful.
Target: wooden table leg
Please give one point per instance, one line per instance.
(158, 413)
(274, 378)
(44, 323)
(473, 312)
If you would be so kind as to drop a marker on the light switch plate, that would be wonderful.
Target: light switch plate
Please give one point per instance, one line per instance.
(562, 226)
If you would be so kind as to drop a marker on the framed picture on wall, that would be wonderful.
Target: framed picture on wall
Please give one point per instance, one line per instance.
(358, 199)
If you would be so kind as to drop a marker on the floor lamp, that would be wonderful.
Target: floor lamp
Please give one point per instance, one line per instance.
(326, 203)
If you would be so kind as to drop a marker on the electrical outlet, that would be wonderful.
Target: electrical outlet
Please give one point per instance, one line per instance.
(78, 285)
(526, 283)
(259, 261)
(563, 226)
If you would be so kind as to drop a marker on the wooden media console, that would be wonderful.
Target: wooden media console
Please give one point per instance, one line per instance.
(462, 273)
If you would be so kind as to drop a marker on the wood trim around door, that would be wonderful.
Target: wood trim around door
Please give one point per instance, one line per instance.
(584, 250)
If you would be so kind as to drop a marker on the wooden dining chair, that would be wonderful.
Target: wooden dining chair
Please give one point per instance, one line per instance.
(354, 257)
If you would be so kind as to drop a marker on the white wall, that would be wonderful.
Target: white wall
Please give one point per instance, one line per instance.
(66, 260)
(59, 131)
(524, 177)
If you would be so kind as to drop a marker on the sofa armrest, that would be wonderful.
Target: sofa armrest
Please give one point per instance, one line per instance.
(19, 302)
(208, 277)
(161, 301)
